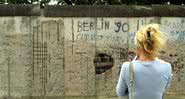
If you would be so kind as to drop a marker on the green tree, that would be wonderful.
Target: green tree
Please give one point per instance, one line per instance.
(2, 1)
(94, 2)
(20, 1)
(44, 2)
(129, 2)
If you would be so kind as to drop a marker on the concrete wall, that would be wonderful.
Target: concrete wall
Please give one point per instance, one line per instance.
(56, 55)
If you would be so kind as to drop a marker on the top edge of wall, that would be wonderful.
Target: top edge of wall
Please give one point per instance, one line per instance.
(93, 10)
(19, 10)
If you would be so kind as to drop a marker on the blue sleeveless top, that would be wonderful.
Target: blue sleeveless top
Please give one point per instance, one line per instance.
(151, 79)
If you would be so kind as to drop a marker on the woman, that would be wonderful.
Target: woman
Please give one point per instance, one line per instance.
(151, 75)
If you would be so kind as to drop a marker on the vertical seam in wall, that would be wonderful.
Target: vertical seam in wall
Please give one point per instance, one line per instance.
(9, 94)
(58, 35)
(63, 44)
(95, 19)
(32, 57)
(41, 58)
(128, 46)
(72, 36)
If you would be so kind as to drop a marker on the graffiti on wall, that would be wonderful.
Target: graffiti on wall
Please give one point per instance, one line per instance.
(175, 38)
(101, 30)
(105, 43)
(173, 30)
(106, 35)
(47, 48)
(103, 62)
(40, 55)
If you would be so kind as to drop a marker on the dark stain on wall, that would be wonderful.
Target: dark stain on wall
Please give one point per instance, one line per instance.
(103, 62)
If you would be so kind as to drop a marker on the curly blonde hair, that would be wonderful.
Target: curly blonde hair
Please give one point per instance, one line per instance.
(150, 40)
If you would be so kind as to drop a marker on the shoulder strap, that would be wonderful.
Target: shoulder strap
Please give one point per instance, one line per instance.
(131, 80)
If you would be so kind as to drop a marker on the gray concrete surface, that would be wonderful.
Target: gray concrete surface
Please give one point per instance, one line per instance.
(77, 57)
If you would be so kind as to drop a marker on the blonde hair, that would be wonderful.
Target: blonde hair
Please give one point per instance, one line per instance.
(150, 40)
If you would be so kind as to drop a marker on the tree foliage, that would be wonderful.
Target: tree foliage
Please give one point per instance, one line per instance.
(94, 2)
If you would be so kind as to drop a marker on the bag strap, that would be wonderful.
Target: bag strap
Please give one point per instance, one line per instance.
(131, 80)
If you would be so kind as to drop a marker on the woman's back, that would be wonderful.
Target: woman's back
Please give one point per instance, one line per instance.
(151, 75)
(151, 78)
